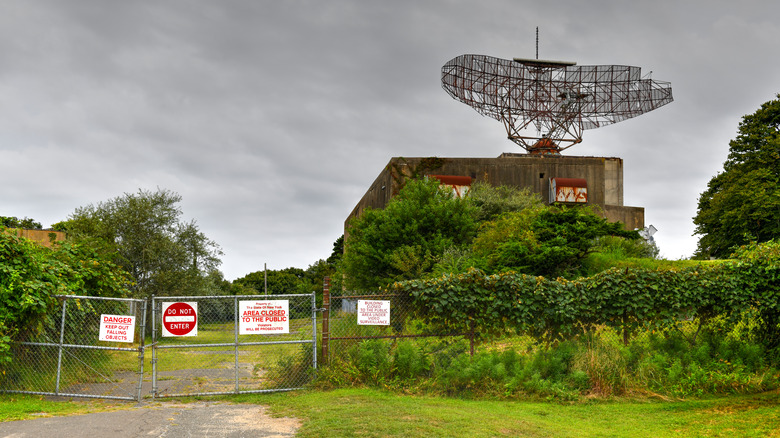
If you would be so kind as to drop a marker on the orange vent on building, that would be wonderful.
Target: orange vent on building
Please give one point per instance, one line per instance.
(460, 184)
(570, 190)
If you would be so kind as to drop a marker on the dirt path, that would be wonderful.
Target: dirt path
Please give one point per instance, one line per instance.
(165, 419)
(185, 381)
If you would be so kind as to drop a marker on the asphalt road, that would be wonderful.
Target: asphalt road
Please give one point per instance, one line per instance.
(171, 420)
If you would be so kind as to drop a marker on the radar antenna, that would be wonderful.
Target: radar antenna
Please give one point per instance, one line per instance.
(546, 105)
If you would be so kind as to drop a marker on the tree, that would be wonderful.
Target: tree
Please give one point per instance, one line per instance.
(145, 236)
(494, 201)
(549, 241)
(14, 222)
(491, 202)
(337, 253)
(742, 203)
(31, 275)
(406, 238)
(284, 281)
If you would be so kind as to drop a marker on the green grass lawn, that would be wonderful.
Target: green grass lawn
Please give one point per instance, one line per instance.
(373, 413)
(369, 412)
(25, 407)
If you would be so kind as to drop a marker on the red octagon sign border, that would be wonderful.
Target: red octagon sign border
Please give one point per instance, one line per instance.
(178, 328)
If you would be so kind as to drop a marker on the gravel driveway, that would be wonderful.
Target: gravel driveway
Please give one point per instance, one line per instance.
(164, 419)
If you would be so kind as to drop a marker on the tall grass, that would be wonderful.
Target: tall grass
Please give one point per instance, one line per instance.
(616, 252)
(597, 364)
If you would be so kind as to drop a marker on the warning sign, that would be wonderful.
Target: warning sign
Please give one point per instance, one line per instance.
(117, 328)
(263, 317)
(373, 312)
(180, 319)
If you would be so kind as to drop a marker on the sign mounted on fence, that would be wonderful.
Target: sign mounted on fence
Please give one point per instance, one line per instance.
(180, 319)
(373, 312)
(263, 317)
(117, 328)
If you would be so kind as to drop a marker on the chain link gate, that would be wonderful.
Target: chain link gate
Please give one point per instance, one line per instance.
(87, 347)
(213, 345)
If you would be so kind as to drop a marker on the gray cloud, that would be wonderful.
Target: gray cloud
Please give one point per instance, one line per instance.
(271, 119)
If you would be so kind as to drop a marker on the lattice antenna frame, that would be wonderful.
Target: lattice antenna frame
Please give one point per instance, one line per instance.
(546, 105)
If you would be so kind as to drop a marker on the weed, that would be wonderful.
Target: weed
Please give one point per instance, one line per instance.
(596, 363)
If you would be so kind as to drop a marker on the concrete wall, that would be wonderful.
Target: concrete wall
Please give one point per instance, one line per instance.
(44, 237)
(632, 217)
(604, 177)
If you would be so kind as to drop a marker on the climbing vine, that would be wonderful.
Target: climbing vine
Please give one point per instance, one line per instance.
(403, 171)
(624, 299)
(31, 275)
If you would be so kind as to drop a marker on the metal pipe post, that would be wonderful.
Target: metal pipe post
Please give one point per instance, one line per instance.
(314, 328)
(325, 319)
(62, 341)
(141, 347)
(154, 348)
(235, 336)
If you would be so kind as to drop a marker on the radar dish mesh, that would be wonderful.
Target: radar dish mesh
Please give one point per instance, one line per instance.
(556, 100)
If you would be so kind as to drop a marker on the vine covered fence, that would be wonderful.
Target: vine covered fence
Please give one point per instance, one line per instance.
(511, 311)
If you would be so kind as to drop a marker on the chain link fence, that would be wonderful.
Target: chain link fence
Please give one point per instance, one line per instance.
(357, 326)
(86, 347)
(95, 347)
(233, 344)
(378, 322)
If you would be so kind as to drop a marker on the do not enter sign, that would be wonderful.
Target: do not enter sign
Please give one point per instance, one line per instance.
(180, 319)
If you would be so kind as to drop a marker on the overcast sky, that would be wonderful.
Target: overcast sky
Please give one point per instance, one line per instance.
(272, 118)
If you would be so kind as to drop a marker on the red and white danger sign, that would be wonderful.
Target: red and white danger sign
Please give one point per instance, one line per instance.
(263, 317)
(180, 319)
(117, 328)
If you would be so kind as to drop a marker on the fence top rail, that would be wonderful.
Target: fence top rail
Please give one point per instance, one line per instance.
(86, 346)
(233, 344)
(194, 297)
(84, 297)
(352, 297)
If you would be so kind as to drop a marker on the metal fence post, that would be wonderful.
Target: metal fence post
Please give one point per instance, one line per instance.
(236, 327)
(62, 341)
(154, 348)
(325, 319)
(314, 329)
(142, 346)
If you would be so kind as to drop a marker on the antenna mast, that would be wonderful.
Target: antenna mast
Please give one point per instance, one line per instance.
(537, 42)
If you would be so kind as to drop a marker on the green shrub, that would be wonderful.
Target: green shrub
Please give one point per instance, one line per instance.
(31, 275)
(705, 328)
(292, 370)
(605, 365)
(372, 357)
(598, 364)
(409, 361)
(627, 300)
